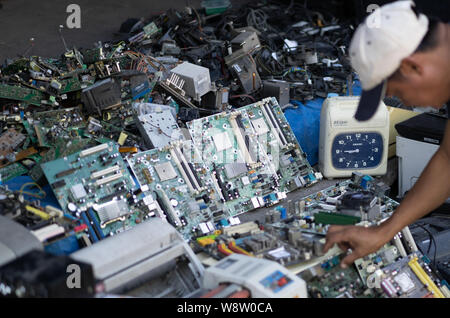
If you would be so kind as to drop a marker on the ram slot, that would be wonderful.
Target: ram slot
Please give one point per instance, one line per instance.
(191, 166)
(237, 132)
(277, 122)
(159, 210)
(98, 174)
(180, 167)
(191, 172)
(398, 243)
(90, 151)
(409, 240)
(91, 231)
(267, 112)
(95, 225)
(214, 177)
(171, 213)
(424, 278)
(109, 179)
(184, 171)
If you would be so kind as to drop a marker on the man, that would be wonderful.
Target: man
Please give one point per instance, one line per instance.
(397, 51)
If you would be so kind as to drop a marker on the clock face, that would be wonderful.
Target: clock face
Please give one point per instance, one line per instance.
(358, 150)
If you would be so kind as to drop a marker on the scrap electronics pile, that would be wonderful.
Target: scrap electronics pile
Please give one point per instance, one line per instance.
(181, 121)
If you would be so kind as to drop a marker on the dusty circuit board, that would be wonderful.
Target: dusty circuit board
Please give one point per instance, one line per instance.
(316, 212)
(52, 125)
(9, 141)
(329, 280)
(228, 144)
(103, 132)
(409, 277)
(276, 138)
(95, 185)
(287, 246)
(23, 94)
(181, 184)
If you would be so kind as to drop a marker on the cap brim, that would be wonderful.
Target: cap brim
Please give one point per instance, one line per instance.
(370, 99)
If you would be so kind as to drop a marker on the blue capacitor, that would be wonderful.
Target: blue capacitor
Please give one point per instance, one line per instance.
(283, 213)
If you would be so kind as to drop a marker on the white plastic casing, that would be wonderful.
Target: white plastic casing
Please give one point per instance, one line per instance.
(337, 117)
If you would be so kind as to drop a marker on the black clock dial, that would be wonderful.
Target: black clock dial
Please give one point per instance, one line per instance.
(355, 151)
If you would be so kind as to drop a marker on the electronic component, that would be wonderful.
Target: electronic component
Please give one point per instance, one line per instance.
(262, 278)
(328, 280)
(278, 89)
(315, 212)
(24, 94)
(347, 145)
(227, 143)
(277, 140)
(159, 128)
(15, 239)
(180, 185)
(244, 68)
(97, 179)
(410, 277)
(40, 274)
(104, 94)
(151, 250)
(246, 41)
(9, 141)
(197, 81)
(217, 98)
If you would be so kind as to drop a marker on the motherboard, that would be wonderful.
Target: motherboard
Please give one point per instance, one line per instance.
(176, 178)
(228, 144)
(275, 136)
(95, 185)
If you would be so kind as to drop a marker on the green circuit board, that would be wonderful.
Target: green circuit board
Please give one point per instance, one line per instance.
(64, 123)
(103, 131)
(95, 183)
(69, 85)
(279, 142)
(11, 171)
(23, 94)
(181, 185)
(60, 148)
(329, 280)
(316, 212)
(228, 145)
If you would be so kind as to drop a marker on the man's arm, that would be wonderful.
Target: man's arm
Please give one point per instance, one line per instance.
(428, 193)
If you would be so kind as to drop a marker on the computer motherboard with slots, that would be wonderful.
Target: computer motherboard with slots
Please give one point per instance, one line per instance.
(275, 135)
(246, 178)
(181, 186)
(95, 185)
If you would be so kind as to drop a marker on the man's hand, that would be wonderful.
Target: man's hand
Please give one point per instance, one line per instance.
(362, 241)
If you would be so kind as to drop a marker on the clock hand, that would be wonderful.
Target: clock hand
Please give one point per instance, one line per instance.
(352, 151)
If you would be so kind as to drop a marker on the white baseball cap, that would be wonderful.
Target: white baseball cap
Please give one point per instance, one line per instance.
(379, 44)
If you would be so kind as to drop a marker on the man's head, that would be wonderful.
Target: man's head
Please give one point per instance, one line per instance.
(398, 52)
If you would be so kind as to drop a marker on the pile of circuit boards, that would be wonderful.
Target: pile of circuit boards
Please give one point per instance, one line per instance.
(181, 118)
(294, 237)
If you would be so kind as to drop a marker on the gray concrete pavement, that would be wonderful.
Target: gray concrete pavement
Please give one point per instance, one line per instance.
(21, 20)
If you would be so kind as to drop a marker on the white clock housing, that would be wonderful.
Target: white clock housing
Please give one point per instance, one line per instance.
(347, 145)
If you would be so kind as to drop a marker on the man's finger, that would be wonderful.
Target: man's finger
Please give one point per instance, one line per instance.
(344, 246)
(349, 259)
(335, 228)
(331, 239)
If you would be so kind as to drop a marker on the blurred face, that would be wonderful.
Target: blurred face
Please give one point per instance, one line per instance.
(427, 88)
(423, 78)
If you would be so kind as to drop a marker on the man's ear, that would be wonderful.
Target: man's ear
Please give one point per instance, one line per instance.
(410, 67)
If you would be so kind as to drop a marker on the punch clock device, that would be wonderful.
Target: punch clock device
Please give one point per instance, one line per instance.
(262, 277)
(347, 145)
